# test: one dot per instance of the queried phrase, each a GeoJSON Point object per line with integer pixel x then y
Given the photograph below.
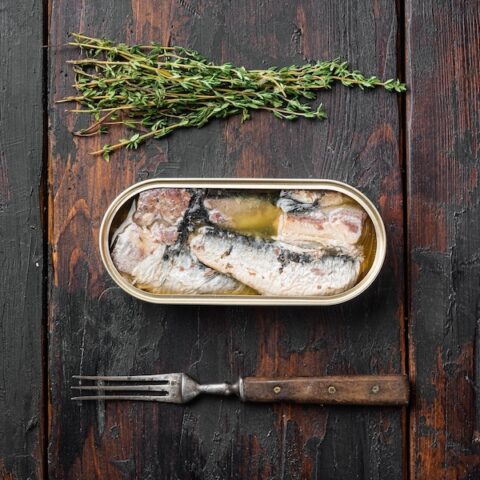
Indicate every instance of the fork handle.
{"type": "Point", "coordinates": [331, 390]}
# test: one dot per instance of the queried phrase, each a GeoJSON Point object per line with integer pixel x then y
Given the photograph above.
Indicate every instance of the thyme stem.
{"type": "Point", "coordinates": [154, 89]}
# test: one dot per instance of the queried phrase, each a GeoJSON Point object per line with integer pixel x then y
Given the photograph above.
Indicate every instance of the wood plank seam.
{"type": "Point", "coordinates": [45, 204]}
{"type": "Point", "coordinates": [401, 72]}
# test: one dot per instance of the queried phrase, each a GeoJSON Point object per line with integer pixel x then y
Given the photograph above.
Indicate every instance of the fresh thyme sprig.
{"type": "Point", "coordinates": [154, 89]}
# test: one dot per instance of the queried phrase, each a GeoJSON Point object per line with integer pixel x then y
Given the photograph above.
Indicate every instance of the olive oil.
{"type": "Point", "coordinates": [243, 290]}
{"type": "Point", "coordinates": [255, 215]}
{"type": "Point", "coordinates": [368, 243]}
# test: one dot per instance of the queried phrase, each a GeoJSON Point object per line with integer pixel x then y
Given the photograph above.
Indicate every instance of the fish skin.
{"type": "Point", "coordinates": [177, 271]}
{"type": "Point", "coordinates": [272, 268]}
{"type": "Point", "coordinates": [132, 245]}
{"type": "Point", "coordinates": [153, 263]}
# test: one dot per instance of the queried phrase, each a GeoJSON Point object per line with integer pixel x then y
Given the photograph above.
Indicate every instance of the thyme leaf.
{"type": "Point", "coordinates": [154, 89]}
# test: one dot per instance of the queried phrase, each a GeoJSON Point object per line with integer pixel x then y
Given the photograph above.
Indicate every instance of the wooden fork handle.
{"type": "Point", "coordinates": [332, 390]}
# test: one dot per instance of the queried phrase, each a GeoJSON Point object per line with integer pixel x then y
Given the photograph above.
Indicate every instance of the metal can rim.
{"type": "Point", "coordinates": [239, 183]}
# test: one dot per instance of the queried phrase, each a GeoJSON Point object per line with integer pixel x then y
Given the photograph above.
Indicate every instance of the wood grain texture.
{"type": "Point", "coordinates": [329, 390]}
{"type": "Point", "coordinates": [21, 240]}
{"type": "Point", "coordinates": [97, 329]}
{"type": "Point", "coordinates": [443, 119]}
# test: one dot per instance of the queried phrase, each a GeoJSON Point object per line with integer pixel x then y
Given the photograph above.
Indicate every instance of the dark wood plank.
{"type": "Point", "coordinates": [21, 240]}
{"type": "Point", "coordinates": [443, 112]}
{"type": "Point", "coordinates": [95, 328]}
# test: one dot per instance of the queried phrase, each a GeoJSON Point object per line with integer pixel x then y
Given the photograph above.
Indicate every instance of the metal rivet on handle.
{"type": "Point", "coordinates": [331, 389]}
{"type": "Point", "coordinates": [375, 389]}
{"type": "Point", "coordinates": [276, 389]}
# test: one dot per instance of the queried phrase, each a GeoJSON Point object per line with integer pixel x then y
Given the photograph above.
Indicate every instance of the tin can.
{"type": "Point", "coordinates": [125, 198]}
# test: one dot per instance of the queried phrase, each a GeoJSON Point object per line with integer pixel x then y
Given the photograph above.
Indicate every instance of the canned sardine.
{"type": "Point", "coordinates": [243, 241]}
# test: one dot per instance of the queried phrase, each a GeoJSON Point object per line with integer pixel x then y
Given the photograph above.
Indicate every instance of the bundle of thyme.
{"type": "Point", "coordinates": [154, 89]}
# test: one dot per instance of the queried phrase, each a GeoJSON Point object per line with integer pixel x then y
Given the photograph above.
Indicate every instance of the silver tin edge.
{"type": "Point", "coordinates": [235, 183]}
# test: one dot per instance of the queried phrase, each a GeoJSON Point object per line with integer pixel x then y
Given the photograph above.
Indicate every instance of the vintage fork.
{"type": "Point", "coordinates": [180, 388]}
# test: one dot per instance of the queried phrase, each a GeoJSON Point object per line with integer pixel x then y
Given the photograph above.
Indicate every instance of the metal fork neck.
{"type": "Point", "coordinates": [219, 389]}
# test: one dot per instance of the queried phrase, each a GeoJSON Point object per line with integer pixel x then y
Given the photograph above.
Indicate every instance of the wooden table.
{"type": "Point", "coordinates": [416, 156]}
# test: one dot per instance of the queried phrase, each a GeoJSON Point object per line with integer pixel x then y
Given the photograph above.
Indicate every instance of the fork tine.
{"type": "Point", "coordinates": [130, 378]}
{"type": "Point", "coordinates": [145, 398]}
{"type": "Point", "coordinates": [148, 388]}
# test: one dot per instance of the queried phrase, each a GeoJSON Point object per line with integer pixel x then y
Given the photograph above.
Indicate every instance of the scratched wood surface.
{"type": "Point", "coordinates": [443, 119]}
{"type": "Point", "coordinates": [21, 241]}
{"type": "Point", "coordinates": [95, 328]}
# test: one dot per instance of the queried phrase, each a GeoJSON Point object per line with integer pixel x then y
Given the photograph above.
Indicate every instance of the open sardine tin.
{"type": "Point", "coordinates": [243, 241]}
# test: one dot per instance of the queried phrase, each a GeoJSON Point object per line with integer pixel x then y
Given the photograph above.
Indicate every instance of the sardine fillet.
{"type": "Point", "coordinates": [156, 266]}
{"type": "Point", "coordinates": [162, 210]}
{"type": "Point", "coordinates": [132, 246]}
{"type": "Point", "coordinates": [180, 272]}
{"type": "Point", "coordinates": [272, 268]}
{"type": "Point", "coordinates": [165, 205]}
{"type": "Point", "coordinates": [336, 227]}
{"type": "Point", "coordinates": [302, 218]}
